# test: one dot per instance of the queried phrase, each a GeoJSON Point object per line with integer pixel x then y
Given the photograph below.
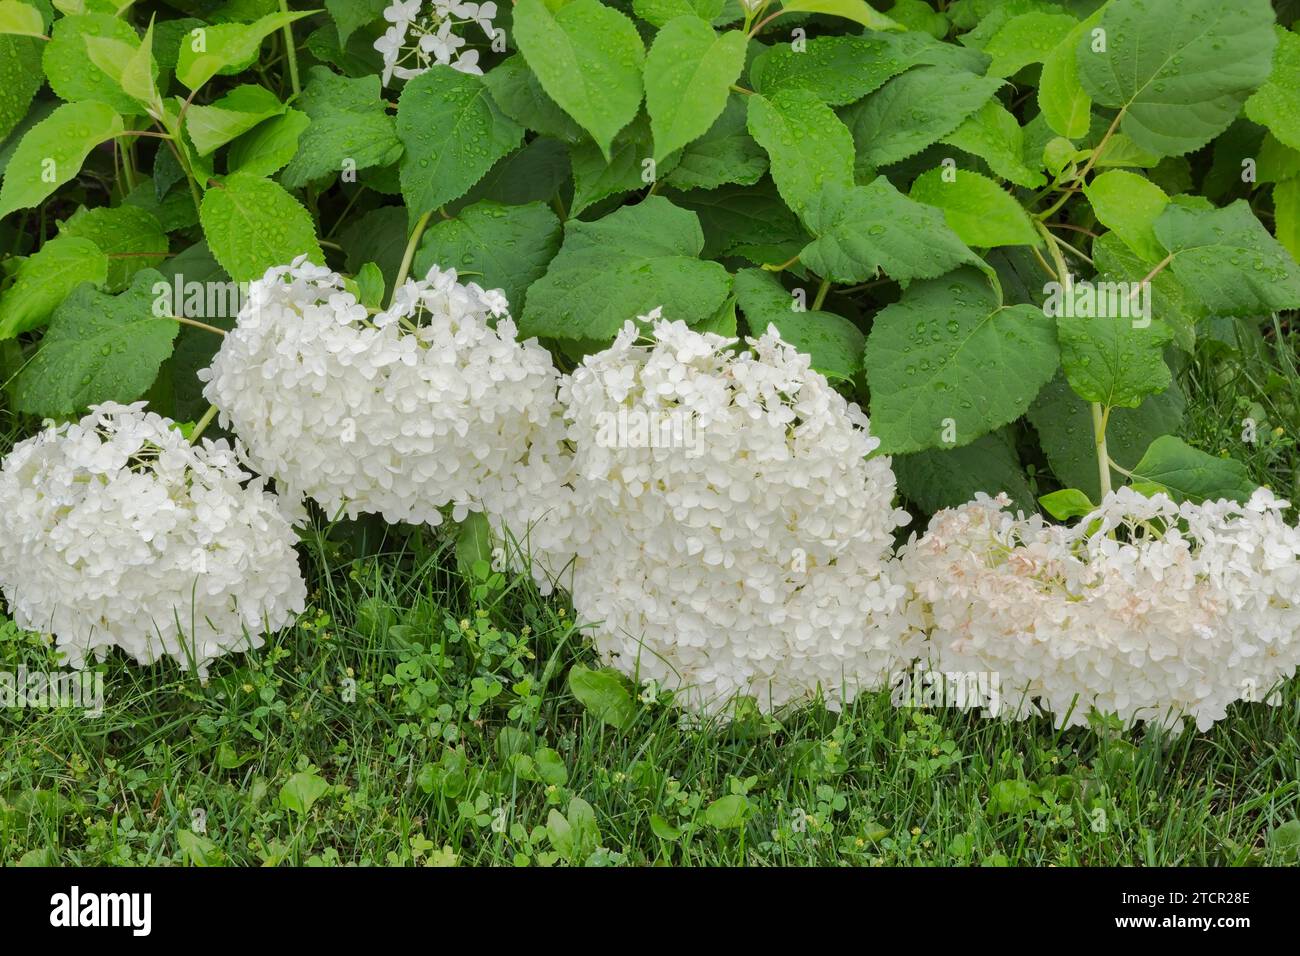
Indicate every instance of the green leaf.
{"type": "Point", "coordinates": [348, 124]}
{"type": "Point", "coordinates": [604, 694]}
{"type": "Point", "coordinates": [809, 148]}
{"type": "Point", "coordinates": [226, 48]}
{"type": "Point", "coordinates": [21, 19]}
{"type": "Point", "coordinates": [1228, 259]}
{"type": "Point", "coordinates": [722, 322]}
{"type": "Point", "coordinates": [1065, 106]}
{"type": "Point", "coordinates": [349, 15]}
{"type": "Point", "coordinates": [1066, 504]}
{"type": "Point", "coordinates": [98, 348]}
{"type": "Point", "coordinates": [20, 77]}
{"type": "Point", "coordinates": [53, 150]}
{"type": "Point", "coordinates": [1113, 360]}
{"type": "Point", "coordinates": [252, 224]}
{"type": "Point", "coordinates": [550, 767]}
{"type": "Point", "coordinates": [659, 12]}
{"type": "Point", "coordinates": [919, 15]}
{"type": "Point", "coordinates": [947, 358]}
{"type": "Point", "coordinates": [1176, 305]}
{"type": "Point", "coordinates": [855, 10]}
{"type": "Point", "coordinates": [863, 229]}
{"type": "Point", "coordinates": [725, 154]}
{"type": "Point", "coordinates": [473, 544]}
{"type": "Point", "coordinates": [843, 69]}
{"type": "Point", "coordinates": [947, 477]}
{"type": "Point", "coordinates": [736, 219]}
{"type": "Point", "coordinates": [1025, 39]}
{"type": "Point", "coordinates": [596, 178]}
{"type": "Point", "coordinates": [663, 829]}
{"type": "Point", "coordinates": [132, 238]}
{"type": "Point", "coordinates": [73, 74]}
{"type": "Point", "coordinates": [45, 278]}
{"type": "Point", "coordinates": [729, 812]}
{"type": "Point", "coordinates": [1286, 211]}
{"type": "Point", "coordinates": [1128, 205]}
{"type": "Point", "coordinates": [1192, 475]}
{"type": "Point", "coordinates": [499, 247]}
{"type": "Point", "coordinates": [992, 134]}
{"type": "Point", "coordinates": [914, 110]}
{"type": "Point", "coordinates": [837, 69]}
{"type": "Point", "coordinates": [833, 342]}
{"type": "Point", "coordinates": [453, 133]}
{"type": "Point", "coordinates": [976, 208]}
{"type": "Point", "coordinates": [197, 850]}
{"type": "Point", "coordinates": [1011, 798]}
{"type": "Point", "coordinates": [688, 74]}
{"type": "Point", "coordinates": [1179, 69]}
{"type": "Point", "coordinates": [234, 114]}
{"type": "Point", "coordinates": [610, 271]}
{"type": "Point", "coordinates": [537, 173]}
{"type": "Point", "coordinates": [1064, 424]}
{"type": "Point", "coordinates": [269, 146]}
{"type": "Point", "coordinates": [516, 89]}
{"type": "Point", "coordinates": [371, 286]}
{"type": "Point", "coordinates": [1276, 104]}
{"type": "Point", "coordinates": [129, 64]}
{"type": "Point", "coordinates": [588, 58]}
{"type": "Point", "coordinates": [301, 791]}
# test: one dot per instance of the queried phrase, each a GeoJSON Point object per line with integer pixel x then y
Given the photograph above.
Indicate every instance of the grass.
{"type": "Point", "coordinates": [419, 714]}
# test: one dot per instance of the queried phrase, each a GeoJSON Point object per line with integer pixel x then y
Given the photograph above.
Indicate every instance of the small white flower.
{"type": "Point", "coordinates": [402, 11]}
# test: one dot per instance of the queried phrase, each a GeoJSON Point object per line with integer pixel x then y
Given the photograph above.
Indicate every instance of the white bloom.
{"type": "Point", "coordinates": [741, 543]}
{"type": "Point", "coordinates": [423, 36]}
{"type": "Point", "coordinates": [116, 532]}
{"type": "Point", "coordinates": [429, 404]}
{"type": "Point", "coordinates": [1146, 609]}
{"type": "Point", "coordinates": [467, 62]}
{"type": "Point", "coordinates": [402, 11]}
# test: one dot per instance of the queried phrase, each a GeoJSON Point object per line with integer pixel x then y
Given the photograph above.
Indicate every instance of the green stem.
{"type": "Point", "coordinates": [824, 288]}
{"type": "Point", "coordinates": [1096, 153]}
{"type": "Point", "coordinates": [1099, 417]}
{"type": "Point", "coordinates": [409, 254]}
{"type": "Point", "coordinates": [128, 165]}
{"type": "Point", "coordinates": [290, 51]}
{"type": "Point", "coordinates": [203, 423]}
{"type": "Point", "coordinates": [195, 323]}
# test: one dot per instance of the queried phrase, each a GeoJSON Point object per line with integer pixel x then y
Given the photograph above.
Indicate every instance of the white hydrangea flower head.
{"type": "Point", "coordinates": [1146, 609]}
{"type": "Point", "coordinates": [727, 533]}
{"type": "Point", "coordinates": [429, 404]}
{"type": "Point", "coordinates": [116, 532]}
{"type": "Point", "coordinates": [424, 34]}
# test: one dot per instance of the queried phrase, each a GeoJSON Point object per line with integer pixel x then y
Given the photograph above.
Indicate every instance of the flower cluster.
{"type": "Point", "coordinates": [116, 532]}
{"type": "Point", "coordinates": [1145, 609]}
{"type": "Point", "coordinates": [725, 529]}
{"type": "Point", "coordinates": [420, 37]}
{"type": "Point", "coordinates": [428, 404]}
